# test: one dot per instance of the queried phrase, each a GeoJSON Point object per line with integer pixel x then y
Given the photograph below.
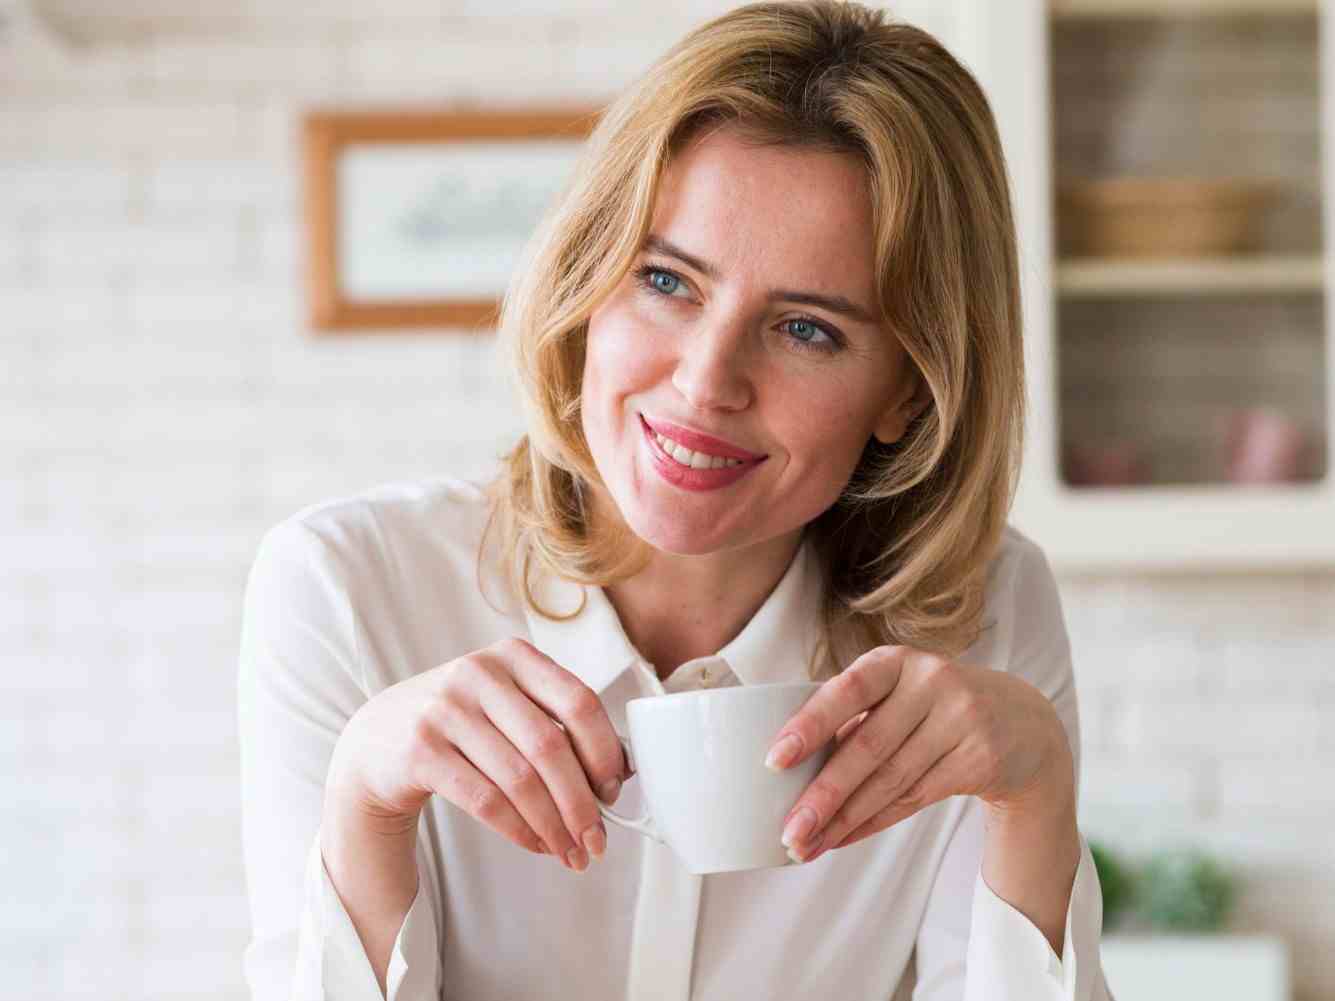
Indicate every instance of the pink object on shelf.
{"type": "Point", "coordinates": [1113, 464]}
{"type": "Point", "coordinates": [1262, 445]}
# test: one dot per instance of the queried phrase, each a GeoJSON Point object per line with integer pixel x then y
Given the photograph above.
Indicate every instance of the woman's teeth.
{"type": "Point", "coordinates": [696, 460]}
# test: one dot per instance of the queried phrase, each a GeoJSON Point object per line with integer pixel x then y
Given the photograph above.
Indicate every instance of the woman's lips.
{"type": "Point", "coordinates": [697, 441]}
{"type": "Point", "coordinates": [688, 478]}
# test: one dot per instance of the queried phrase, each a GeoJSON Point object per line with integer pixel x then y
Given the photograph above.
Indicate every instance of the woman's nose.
{"type": "Point", "coordinates": [711, 370]}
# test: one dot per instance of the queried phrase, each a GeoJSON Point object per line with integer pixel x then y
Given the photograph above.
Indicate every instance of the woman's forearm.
{"type": "Point", "coordinates": [374, 869]}
{"type": "Point", "coordinates": [1030, 855]}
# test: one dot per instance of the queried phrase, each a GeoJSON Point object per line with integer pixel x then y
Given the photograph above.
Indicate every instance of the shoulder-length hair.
{"type": "Point", "coordinates": [904, 549]}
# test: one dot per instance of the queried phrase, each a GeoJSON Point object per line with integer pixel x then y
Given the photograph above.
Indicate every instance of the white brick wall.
{"type": "Point", "coordinates": [103, 124]}
{"type": "Point", "coordinates": [161, 404]}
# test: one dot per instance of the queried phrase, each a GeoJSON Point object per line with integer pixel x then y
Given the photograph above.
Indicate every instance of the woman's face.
{"type": "Point", "coordinates": [724, 345]}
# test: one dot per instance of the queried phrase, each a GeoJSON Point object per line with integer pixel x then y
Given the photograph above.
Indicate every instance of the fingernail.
{"type": "Point", "coordinates": [609, 791]}
{"type": "Point", "coordinates": [782, 754]}
{"type": "Point", "coordinates": [800, 827]}
{"type": "Point", "coordinates": [577, 859]}
{"type": "Point", "coordinates": [595, 839]}
{"type": "Point", "coordinates": [811, 851]}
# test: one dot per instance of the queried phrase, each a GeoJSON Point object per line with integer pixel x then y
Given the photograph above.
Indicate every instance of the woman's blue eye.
{"type": "Point", "coordinates": [813, 328]}
{"type": "Point", "coordinates": [662, 282]}
{"type": "Point", "coordinates": [649, 277]}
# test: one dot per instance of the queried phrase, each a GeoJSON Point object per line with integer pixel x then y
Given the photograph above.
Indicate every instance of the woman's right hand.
{"type": "Point", "coordinates": [482, 731]}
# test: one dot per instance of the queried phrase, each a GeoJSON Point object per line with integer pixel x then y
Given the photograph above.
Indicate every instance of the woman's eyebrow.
{"type": "Point", "coordinates": [834, 303]}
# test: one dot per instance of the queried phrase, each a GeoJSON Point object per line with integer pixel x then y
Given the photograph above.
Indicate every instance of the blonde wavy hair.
{"type": "Point", "coordinates": [904, 550]}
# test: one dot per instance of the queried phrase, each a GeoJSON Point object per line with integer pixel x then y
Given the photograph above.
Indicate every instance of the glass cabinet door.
{"type": "Point", "coordinates": [1187, 207]}
{"type": "Point", "coordinates": [1171, 180]}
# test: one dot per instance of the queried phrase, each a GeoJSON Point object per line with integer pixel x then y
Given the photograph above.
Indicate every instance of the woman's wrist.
{"type": "Point", "coordinates": [357, 838]}
{"type": "Point", "coordinates": [373, 868]}
{"type": "Point", "coordinates": [349, 799]}
{"type": "Point", "coordinates": [1031, 849]}
{"type": "Point", "coordinates": [347, 826]}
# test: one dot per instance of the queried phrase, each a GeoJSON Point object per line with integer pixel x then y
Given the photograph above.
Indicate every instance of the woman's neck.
{"type": "Point", "coordinates": [682, 607]}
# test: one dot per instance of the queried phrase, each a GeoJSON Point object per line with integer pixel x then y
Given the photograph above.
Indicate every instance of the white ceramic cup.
{"type": "Point", "coordinates": [700, 757]}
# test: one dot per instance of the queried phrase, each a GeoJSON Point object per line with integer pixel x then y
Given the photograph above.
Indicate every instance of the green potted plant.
{"type": "Point", "coordinates": [1185, 890]}
{"type": "Point", "coordinates": [1164, 923]}
{"type": "Point", "coordinates": [1116, 880]}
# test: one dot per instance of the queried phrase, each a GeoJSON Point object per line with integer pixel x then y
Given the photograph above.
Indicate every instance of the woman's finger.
{"type": "Point", "coordinates": [491, 751]}
{"type": "Point", "coordinates": [870, 748]}
{"type": "Point", "coordinates": [934, 785]}
{"type": "Point", "coordinates": [842, 733]}
{"type": "Point", "coordinates": [452, 776]}
{"type": "Point", "coordinates": [546, 745]}
{"type": "Point", "coordinates": [932, 740]}
{"type": "Point", "coordinates": [566, 699]}
{"type": "Point", "coordinates": [858, 687]}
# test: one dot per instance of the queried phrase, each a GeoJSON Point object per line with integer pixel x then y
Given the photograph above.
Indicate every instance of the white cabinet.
{"type": "Point", "coordinates": [1159, 356]}
{"type": "Point", "coordinates": [1220, 967]}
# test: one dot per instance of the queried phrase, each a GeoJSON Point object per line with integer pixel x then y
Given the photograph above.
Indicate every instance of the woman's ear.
{"type": "Point", "coordinates": [913, 398]}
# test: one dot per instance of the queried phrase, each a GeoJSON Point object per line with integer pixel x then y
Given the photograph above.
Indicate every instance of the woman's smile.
{"type": "Point", "coordinates": [696, 471]}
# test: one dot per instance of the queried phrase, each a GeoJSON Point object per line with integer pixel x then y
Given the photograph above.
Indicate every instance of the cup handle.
{"type": "Point", "coordinates": [643, 825]}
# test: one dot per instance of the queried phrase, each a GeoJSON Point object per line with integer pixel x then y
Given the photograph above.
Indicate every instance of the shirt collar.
{"type": "Point", "coordinates": [778, 643]}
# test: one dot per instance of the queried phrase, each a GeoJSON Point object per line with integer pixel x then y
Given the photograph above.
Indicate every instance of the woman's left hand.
{"type": "Point", "coordinates": [912, 729]}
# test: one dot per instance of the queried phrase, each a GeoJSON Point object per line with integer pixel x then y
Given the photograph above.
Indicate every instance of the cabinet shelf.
{"type": "Point", "coordinates": [1097, 277]}
{"type": "Point", "coordinates": [1178, 8]}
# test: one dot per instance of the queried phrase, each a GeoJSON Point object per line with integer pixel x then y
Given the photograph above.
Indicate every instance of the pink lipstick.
{"type": "Point", "coordinates": [697, 479]}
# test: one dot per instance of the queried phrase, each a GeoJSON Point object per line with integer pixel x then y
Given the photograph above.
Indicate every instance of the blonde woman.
{"type": "Point", "coordinates": [769, 348]}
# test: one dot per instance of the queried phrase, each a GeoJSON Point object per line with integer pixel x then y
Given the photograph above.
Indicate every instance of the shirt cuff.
{"type": "Point", "coordinates": [344, 971]}
{"type": "Point", "coordinates": [1010, 958]}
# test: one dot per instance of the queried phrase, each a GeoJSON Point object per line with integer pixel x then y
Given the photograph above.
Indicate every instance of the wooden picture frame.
{"type": "Point", "coordinates": [382, 185]}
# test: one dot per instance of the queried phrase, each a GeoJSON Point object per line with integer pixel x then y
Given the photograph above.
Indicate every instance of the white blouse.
{"type": "Point", "coordinates": [354, 594]}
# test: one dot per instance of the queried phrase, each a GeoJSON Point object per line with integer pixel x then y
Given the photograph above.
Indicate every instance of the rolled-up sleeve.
{"type": "Point", "coordinates": [331, 963]}
{"type": "Point", "coordinates": [973, 945]}
{"type": "Point", "coordinates": [1010, 958]}
{"type": "Point", "coordinates": [299, 682]}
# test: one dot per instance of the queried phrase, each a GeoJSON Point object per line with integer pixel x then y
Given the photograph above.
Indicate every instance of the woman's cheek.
{"type": "Point", "coordinates": [829, 439]}
{"type": "Point", "coordinates": [628, 350]}
{"type": "Point", "coordinates": [608, 336]}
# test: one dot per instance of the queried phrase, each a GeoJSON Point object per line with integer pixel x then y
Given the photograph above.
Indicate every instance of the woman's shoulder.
{"type": "Point", "coordinates": [1018, 563]}
{"type": "Point", "coordinates": [392, 529]}
{"type": "Point", "coordinates": [1022, 615]}
{"type": "Point", "coordinates": [427, 504]}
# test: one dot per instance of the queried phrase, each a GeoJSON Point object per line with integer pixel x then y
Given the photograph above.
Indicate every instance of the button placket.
{"type": "Point", "coordinates": [649, 680]}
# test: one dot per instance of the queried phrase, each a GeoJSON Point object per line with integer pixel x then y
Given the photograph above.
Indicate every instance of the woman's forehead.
{"type": "Point", "coordinates": [791, 213]}
{"type": "Point", "coordinates": [723, 166]}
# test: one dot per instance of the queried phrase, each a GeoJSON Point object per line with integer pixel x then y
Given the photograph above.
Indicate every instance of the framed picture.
{"type": "Point", "coordinates": [415, 219]}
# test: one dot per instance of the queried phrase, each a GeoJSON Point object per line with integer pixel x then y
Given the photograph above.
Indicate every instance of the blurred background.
{"type": "Point", "coordinates": [164, 400]}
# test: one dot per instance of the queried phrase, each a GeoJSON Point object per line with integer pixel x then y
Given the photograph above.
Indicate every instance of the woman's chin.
{"type": "Point", "coordinates": [670, 532]}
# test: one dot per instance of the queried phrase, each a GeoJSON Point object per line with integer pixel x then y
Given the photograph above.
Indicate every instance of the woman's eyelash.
{"type": "Point", "coordinates": [644, 278]}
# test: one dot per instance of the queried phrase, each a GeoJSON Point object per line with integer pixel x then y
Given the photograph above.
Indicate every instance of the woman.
{"type": "Point", "coordinates": [770, 353]}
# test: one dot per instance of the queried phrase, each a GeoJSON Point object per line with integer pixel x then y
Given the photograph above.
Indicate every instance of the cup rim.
{"type": "Point", "coordinates": [723, 691]}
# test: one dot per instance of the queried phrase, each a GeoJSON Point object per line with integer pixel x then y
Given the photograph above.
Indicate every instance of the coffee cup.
{"type": "Point", "coordinates": [700, 757]}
